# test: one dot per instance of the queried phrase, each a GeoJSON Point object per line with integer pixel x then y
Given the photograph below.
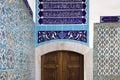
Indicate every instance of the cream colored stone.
{"type": "Point", "coordinates": [68, 46]}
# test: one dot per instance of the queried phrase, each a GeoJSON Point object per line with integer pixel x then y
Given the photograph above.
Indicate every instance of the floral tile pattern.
{"type": "Point", "coordinates": [16, 41]}
{"type": "Point", "coordinates": [107, 51]}
{"type": "Point", "coordinates": [62, 20]}
{"type": "Point", "coordinates": [80, 35]}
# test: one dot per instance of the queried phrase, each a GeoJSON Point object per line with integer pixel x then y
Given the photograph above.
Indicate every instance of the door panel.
{"type": "Point", "coordinates": [63, 65]}
{"type": "Point", "coordinates": [73, 65]}
{"type": "Point", "coordinates": [51, 58]}
{"type": "Point", "coordinates": [50, 67]}
{"type": "Point", "coordinates": [50, 74]}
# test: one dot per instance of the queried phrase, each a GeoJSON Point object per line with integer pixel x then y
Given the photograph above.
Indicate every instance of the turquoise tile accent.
{"type": "Point", "coordinates": [64, 18]}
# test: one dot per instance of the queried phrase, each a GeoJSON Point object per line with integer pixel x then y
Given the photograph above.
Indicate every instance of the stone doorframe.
{"type": "Point", "coordinates": [68, 46]}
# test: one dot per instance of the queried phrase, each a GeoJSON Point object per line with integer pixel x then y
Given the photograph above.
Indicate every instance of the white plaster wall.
{"type": "Point", "coordinates": [102, 8]}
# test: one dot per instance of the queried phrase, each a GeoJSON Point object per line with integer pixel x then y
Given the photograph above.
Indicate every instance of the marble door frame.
{"type": "Point", "coordinates": [68, 46]}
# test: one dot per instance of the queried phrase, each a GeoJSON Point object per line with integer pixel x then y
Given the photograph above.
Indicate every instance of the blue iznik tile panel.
{"type": "Point", "coordinates": [62, 12]}
{"type": "Point", "coordinates": [107, 51]}
{"type": "Point", "coordinates": [108, 19]}
{"type": "Point", "coordinates": [54, 35]}
{"type": "Point", "coordinates": [62, 20]}
{"type": "Point", "coordinates": [16, 41]}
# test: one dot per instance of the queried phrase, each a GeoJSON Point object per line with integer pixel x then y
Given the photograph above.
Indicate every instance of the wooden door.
{"type": "Point", "coordinates": [62, 65]}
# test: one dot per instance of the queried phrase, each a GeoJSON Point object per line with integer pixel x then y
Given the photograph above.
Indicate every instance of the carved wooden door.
{"type": "Point", "coordinates": [62, 65]}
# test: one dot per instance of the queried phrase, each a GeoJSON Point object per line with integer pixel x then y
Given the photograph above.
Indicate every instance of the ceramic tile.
{"type": "Point", "coordinates": [107, 51]}
{"type": "Point", "coordinates": [3, 75]}
{"type": "Point", "coordinates": [54, 35]}
{"type": "Point", "coordinates": [108, 19]}
{"type": "Point", "coordinates": [16, 41]}
{"type": "Point", "coordinates": [64, 12]}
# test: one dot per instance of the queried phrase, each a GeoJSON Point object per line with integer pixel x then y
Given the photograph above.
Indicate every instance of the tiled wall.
{"type": "Point", "coordinates": [16, 41]}
{"type": "Point", "coordinates": [62, 12]}
{"type": "Point", "coordinates": [107, 51]}
{"type": "Point", "coordinates": [79, 35]}
{"type": "Point", "coordinates": [62, 20]}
